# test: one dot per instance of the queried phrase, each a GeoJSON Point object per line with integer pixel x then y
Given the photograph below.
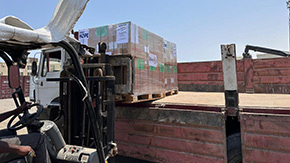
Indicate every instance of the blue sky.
{"type": "Point", "coordinates": [197, 27]}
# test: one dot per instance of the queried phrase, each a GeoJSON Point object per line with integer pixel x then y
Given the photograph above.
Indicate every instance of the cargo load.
{"type": "Point", "coordinates": [144, 64]}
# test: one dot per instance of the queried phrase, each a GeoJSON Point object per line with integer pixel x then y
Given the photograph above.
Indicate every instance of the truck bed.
{"type": "Point", "coordinates": [214, 99]}
{"type": "Point", "coordinates": [191, 126]}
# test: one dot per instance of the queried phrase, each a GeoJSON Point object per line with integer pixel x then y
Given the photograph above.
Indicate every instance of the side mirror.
{"type": "Point", "coordinates": [33, 68]}
{"type": "Point", "coordinates": [13, 77]}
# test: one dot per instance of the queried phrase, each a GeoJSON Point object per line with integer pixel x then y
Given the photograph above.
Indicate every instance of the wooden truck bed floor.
{"type": "Point", "coordinates": [214, 99]}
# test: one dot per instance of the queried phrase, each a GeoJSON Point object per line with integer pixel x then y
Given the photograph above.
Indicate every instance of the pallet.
{"type": "Point", "coordinates": [142, 98]}
{"type": "Point", "coordinates": [129, 99]}
{"type": "Point", "coordinates": [171, 92]}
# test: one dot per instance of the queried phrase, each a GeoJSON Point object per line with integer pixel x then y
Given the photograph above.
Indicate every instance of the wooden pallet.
{"type": "Point", "coordinates": [142, 98]}
{"type": "Point", "coordinates": [147, 97]}
{"type": "Point", "coordinates": [171, 92]}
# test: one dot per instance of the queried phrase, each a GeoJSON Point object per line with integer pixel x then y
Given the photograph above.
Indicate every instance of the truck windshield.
{"type": "Point", "coordinates": [51, 63]}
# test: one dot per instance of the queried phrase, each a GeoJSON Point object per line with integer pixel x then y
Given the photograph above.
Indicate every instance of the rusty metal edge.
{"type": "Point", "coordinates": [282, 111]}
{"type": "Point", "coordinates": [170, 106]}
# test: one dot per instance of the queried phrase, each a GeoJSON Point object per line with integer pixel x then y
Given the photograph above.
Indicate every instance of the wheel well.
{"type": "Point", "coordinates": [54, 113]}
{"type": "Point", "coordinates": [54, 109]}
{"type": "Point", "coordinates": [55, 100]}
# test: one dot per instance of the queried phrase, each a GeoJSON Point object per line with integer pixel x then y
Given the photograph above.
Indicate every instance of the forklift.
{"type": "Point", "coordinates": [89, 128]}
{"type": "Point", "coordinates": [87, 101]}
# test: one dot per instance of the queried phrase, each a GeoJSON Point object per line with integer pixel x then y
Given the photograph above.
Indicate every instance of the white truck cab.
{"type": "Point", "coordinates": [50, 66]}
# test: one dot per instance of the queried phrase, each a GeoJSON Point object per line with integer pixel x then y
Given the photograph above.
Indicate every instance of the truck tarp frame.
{"type": "Point", "coordinates": [65, 15]}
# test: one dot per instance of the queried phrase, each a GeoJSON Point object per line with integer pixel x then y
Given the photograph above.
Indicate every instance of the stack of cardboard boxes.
{"type": "Point", "coordinates": [143, 62]}
{"type": "Point", "coordinates": [170, 62]}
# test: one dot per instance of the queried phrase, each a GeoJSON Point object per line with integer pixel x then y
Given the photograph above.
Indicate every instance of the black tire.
{"type": "Point", "coordinates": [234, 150]}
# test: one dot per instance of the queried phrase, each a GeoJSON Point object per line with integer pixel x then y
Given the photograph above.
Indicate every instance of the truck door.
{"type": "Point", "coordinates": [50, 67]}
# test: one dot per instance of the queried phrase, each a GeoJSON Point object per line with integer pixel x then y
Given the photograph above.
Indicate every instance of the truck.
{"type": "Point", "coordinates": [200, 126]}
{"type": "Point", "coordinates": [50, 66]}
{"type": "Point", "coordinates": [208, 127]}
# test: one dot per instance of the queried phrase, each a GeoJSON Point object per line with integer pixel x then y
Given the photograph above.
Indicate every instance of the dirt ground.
{"type": "Point", "coordinates": [7, 105]}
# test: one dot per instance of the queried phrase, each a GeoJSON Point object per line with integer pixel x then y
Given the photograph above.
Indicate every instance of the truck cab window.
{"type": "Point", "coordinates": [51, 62]}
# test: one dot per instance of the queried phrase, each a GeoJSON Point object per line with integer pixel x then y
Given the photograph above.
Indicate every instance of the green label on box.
{"type": "Point", "coordinates": [102, 31]}
{"type": "Point", "coordinates": [140, 64]}
{"type": "Point", "coordinates": [145, 34]}
{"type": "Point", "coordinates": [152, 68]}
{"type": "Point", "coordinates": [161, 67]}
{"type": "Point", "coordinates": [175, 69]}
{"type": "Point", "coordinates": [168, 69]}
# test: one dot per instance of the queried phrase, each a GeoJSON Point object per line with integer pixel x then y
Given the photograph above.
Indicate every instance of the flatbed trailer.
{"type": "Point", "coordinates": [209, 127]}
{"type": "Point", "coordinates": [194, 127]}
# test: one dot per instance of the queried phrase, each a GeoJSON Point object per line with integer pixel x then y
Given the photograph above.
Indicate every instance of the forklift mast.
{"type": "Point", "coordinates": [78, 128]}
{"type": "Point", "coordinates": [87, 102]}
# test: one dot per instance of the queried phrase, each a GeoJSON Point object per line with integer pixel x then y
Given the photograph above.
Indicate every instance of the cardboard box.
{"type": "Point", "coordinates": [143, 62]}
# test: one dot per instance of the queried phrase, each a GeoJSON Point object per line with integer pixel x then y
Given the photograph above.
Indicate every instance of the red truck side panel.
{"type": "Point", "coordinates": [170, 135]}
{"type": "Point", "coordinates": [206, 76]}
{"type": "Point", "coordinates": [265, 137]}
{"type": "Point", "coordinates": [254, 76]}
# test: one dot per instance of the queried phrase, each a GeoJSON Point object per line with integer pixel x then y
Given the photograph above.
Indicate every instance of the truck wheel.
{"type": "Point", "coordinates": [234, 148]}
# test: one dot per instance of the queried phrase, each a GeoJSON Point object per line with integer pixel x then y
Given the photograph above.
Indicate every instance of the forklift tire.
{"type": "Point", "coordinates": [234, 151]}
